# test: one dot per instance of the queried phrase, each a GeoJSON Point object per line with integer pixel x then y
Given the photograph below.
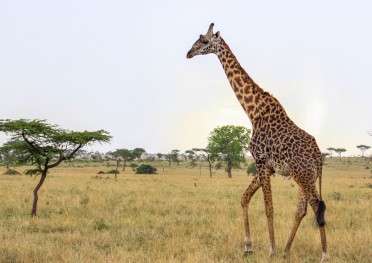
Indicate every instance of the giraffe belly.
{"type": "Point", "coordinates": [280, 167]}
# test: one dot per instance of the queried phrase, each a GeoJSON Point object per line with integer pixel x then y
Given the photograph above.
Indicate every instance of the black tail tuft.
{"type": "Point", "coordinates": [320, 213]}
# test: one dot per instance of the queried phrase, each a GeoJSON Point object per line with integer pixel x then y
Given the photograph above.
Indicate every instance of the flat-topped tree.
{"type": "Point", "coordinates": [45, 146]}
{"type": "Point", "coordinates": [363, 148]}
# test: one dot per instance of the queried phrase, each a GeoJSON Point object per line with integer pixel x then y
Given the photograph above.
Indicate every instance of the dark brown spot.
{"type": "Point", "coordinates": [250, 108]}
{"type": "Point", "coordinates": [257, 99]}
{"type": "Point", "coordinates": [238, 81]}
{"type": "Point", "coordinates": [246, 89]}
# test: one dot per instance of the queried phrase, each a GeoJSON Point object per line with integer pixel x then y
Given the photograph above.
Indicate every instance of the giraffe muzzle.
{"type": "Point", "coordinates": [189, 54]}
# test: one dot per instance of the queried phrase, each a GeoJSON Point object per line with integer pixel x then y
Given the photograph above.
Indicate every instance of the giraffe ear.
{"type": "Point", "coordinates": [217, 35]}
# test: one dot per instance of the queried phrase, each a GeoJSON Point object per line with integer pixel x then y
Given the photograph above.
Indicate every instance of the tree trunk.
{"type": "Point", "coordinates": [210, 169]}
{"type": "Point", "coordinates": [36, 197]}
{"type": "Point", "coordinates": [116, 171]}
{"type": "Point", "coordinates": [124, 164]}
{"type": "Point", "coordinates": [229, 168]}
{"type": "Point", "coordinates": [210, 166]}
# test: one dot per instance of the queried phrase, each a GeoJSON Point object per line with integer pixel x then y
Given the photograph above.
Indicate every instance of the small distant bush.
{"type": "Point", "coordinates": [133, 165]}
{"type": "Point", "coordinates": [251, 169]}
{"type": "Point", "coordinates": [218, 165]}
{"type": "Point", "coordinates": [11, 172]}
{"type": "Point", "coordinates": [84, 199]}
{"type": "Point", "coordinates": [113, 172]}
{"type": "Point", "coordinates": [146, 169]}
{"type": "Point", "coordinates": [100, 225]}
{"type": "Point", "coordinates": [336, 196]}
{"type": "Point", "coordinates": [193, 163]}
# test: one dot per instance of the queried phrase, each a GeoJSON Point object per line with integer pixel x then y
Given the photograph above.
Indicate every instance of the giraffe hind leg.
{"type": "Point", "coordinates": [318, 207]}
{"type": "Point", "coordinates": [251, 190]}
{"type": "Point", "coordinates": [300, 213]}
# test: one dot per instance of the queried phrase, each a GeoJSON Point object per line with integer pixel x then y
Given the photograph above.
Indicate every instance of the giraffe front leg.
{"type": "Point", "coordinates": [252, 188]}
{"type": "Point", "coordinates": [269, 209]}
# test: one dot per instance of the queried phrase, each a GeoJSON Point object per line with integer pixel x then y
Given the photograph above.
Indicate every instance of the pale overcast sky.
{"type": "Point", "coordinates": [121, 66]}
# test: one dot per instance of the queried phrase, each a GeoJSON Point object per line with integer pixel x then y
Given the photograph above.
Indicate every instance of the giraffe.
{"type": "Point", "coordinates": [278, 145]}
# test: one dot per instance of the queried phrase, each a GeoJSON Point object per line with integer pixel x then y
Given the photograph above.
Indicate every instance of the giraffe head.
{"type": "Point", "coordinates": [206, 44]}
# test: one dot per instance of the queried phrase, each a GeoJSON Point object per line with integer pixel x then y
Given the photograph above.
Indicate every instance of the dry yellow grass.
{"type": "Point", "coordinates": [177, 216]}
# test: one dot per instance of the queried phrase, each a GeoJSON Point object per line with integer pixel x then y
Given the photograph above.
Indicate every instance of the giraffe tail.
{"type": "Point", "coordinates": [321, 206]}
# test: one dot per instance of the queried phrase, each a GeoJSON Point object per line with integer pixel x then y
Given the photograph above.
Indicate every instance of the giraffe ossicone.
{"type": "Point", "coordinates": [278, 145]}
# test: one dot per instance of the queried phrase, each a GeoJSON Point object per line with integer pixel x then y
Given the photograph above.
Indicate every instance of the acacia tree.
{"type": "Point", "coordinates": [189, 154]}
{"type": "Point", "coordinates": [339, 151]}
{"type": "Point", "coordinates": [330, 149]}
{"type": "Point", "coordinates": [174, 156]}
{"type": "Point", "coordinates": [209, 156]}
{"type": "Point", "coordinates": [137, 152]}
{"type": "Point", "coordinates": [8, 155]}
{"type": "Point", "coordinates": [230, 142]}
{"type": "Point", "coordinates": [45, 146]}
{"type": "Point", "coordinates": [363, 148]}
{"type": "Point", "coordinates": [159, 155]}
{"type": "Point", "coordinates": [124, 155]}
{"type": "Point", "coordinates": [168, 158]}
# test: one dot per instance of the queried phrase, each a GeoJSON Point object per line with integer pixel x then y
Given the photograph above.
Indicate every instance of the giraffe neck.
{"type": "Point", "coordinates": [254, 100]}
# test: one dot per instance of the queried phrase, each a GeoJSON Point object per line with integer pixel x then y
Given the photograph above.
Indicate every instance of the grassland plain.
{"type": "Point", "coordinates": [177, 216]}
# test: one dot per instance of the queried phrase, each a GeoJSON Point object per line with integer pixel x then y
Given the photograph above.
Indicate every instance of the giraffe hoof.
{"type": "Point", "coordinates": [324, 257]}
{"type": "Point", "coordinates": [248, 250]}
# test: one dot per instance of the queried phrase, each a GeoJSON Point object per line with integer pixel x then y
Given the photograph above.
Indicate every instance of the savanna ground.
{"type": "Point", "coordinates": [177, 216]}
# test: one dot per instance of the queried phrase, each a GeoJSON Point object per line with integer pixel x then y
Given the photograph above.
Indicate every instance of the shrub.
{"type": "Point", "coordinates": [146, 169]}
{"type": "Point", "coordinates": [11, 172]}
{"type": "Point", "coordinates": [251, 169]}
{"type": "Point", "coordinates": [100, 225]}
{"type": "Point", "coordinates": [218, 165]}
{"type": "Point", "coordinates": [193, 163]}
{"type": "Point", "coordinates": [113, 172]}
{"type": "Point", "coordinates": [336, 196]}
{"type": "Point", "coordinates": [133, 165]}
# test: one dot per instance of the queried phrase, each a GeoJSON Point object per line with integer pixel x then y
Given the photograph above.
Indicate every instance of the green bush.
{"type": "Point", "coordinates": [193, 163]}
{"type": "Point", "coordinates": [112, 172]}
{"type": "Point", "coordinates": [251, 169]}
{"type": "Point", "coordinates": [100, 225]}
{"type": "Point", "coordinates": [218, 165]}
{"type": "Point", "coordinates": [146, 169]}
{"type": "Point", "coordinates": [133, 165]}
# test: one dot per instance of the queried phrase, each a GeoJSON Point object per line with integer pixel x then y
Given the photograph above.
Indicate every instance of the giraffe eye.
{"type": "Point", "coordinates": [205, 42]}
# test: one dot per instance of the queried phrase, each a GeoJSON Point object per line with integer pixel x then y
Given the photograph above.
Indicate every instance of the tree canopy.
{"type": "Point", "coordinates": [339, 151]}
{"type": "Point", "coordinates": [137, 152]}
{"type": "Point", "coordinates": [363, 148]}
{"type": "Point", "coordinates": [45, 145]}
{"type": "Point", "coordinates": [123, 155]}
{"type": "Point", "coordinates": [230, 143]}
